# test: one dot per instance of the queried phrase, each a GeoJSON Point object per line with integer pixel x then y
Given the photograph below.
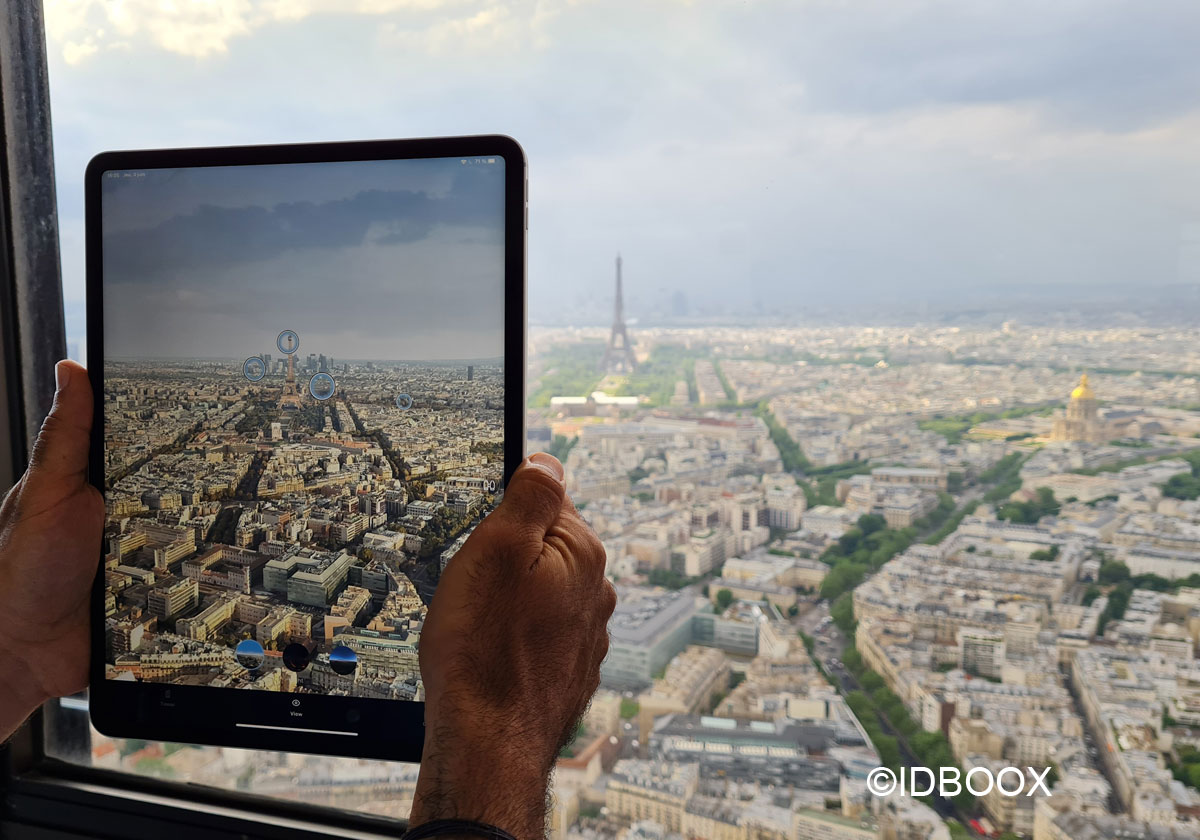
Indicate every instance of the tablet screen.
{"type": "Point", "coordinates": [303, 414]}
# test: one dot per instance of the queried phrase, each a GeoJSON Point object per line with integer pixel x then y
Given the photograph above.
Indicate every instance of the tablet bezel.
{"type": "Point", "coordinates": [349, 726]}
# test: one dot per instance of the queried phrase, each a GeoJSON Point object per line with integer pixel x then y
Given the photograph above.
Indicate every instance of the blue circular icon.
{"type": "Point", "coordinates": [322, 386]}
{"type": "Point", "coordinates": [249, 654]}
{"type": "Point", "coordinates": [343, 660]}
{"type": "Point", "coordinates": [404, 402]}
{"type": "Point", "coordinates": [288, 342]}
{"type": "Point", "coordinates": [254, 368]}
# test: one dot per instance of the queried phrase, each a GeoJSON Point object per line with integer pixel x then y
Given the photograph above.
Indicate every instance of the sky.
{"type": "Point", "coordinates": [740, 156]}
{"type": "Point", "coordinates": [367, 260]}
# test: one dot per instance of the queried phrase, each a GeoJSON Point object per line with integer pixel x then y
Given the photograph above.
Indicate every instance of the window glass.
{"type": "Point", "coordinates": [886, 412]}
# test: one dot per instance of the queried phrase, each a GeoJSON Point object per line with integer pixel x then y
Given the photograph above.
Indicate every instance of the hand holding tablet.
{"type": "Point", "coordinates": [49, 535]}
{"type": "Point", "coordinates": [511, 655]}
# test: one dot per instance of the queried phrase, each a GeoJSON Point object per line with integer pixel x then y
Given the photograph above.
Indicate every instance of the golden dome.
{"type": "Point", "coordinates": [1083, 391]}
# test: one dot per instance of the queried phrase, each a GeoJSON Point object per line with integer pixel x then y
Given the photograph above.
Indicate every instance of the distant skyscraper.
{"type": "Point", "coordinates": [470, 372]}
{"type": "Point", "coordinates": [618, 356]}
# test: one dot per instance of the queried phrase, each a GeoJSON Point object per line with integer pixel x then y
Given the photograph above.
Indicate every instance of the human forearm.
{"type": "Point", "coordinates": [488, 781]}
{"type": "Point", "coordinates": [19, 697]}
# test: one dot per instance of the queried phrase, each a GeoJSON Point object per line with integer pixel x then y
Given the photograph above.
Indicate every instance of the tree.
{"type": "Point", "coordinates": [668, 579]}
{"type": "Point", "coordinates": [848, 541]}
{"type": "Point", "coordinates": [888, 749]}
{"type": "Point", "coordinates": [1113, 571]}
{"type": "Point", "coordinates": [1182, 486]}
{"type": "Point", "coordinates": [842, 611]}
{"type": "Point", "coordinates": [871, 681]}
{"type": "Point", "coordinates": [1028, 513]}
{"type": "Point", "coordinates": [954, 482]}
{"type": "Point", "coordinates": [869, 523]}
{"type": "Point", "coordinates": [724, 598]}
{"type": "Point", "coordinates": [629, 708]}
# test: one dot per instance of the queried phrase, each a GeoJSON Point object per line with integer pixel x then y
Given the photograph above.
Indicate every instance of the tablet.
{"type": "Point", "coordinates": [308, 363]}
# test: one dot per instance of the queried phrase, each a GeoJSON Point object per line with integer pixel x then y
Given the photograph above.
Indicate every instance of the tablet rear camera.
{"type": "Point", "coordinates": [296, 657]}
{"type": "Point", "coordinates": [249, 654]}
{"type": "Point", "coordinates": [322, 386]}
{"type": "Point", "coordinates": [343, 660]}
{"type": "Point", "coordinates": [254, 368]}
{"type": "Point", "coordinates": [404, 402]}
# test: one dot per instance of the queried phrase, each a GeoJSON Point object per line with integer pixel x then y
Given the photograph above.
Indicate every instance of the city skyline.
{"type": "Point", "coordinates": [853, 546]}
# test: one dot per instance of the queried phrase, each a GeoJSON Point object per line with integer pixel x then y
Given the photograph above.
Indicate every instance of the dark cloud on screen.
{"type": "Point", "coordinates": [220, 236]}
{"type": "Point", "coordinates": [375, 274]}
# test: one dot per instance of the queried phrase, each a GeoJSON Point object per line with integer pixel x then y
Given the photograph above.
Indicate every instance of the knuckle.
{"type": "Point", "coordinates": [509, 533]}
{"type": "Point", "coordinates": [539, 483]}
{"type": "Point", "coordinates": [51, 427]}
{"type": "Point", "coordinates": [608, 597]}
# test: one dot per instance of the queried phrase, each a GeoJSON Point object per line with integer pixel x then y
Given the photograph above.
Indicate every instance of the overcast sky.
{"type": "Point", "coordinates": [769, 152]}
{"type": "Point", "coordinates": [371, 260]}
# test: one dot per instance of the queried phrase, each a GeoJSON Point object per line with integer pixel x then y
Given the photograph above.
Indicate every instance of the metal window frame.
{"type": "Point", "coordinates": [40, 796]}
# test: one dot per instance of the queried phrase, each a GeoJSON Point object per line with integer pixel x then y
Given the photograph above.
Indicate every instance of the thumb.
{"type": "Point", "coordinates": [60, 453]}
{"type": "Point", "coordinates": [534, 497]}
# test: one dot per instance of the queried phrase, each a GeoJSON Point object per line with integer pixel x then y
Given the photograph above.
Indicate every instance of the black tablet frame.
{"type": "Point", "coordinates": [383, 729]}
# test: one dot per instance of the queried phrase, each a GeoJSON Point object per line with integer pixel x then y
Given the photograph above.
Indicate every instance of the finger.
{"type": "Point", "coordinates": [533, 499]}
{"type": "Point", "coordinates": [61, 450]}
{"type": "Point", "coordinates": [579, 544]}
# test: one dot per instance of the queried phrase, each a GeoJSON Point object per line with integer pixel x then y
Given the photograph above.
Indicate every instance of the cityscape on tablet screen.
{"type": "Point", "coordinates": [303, 415]}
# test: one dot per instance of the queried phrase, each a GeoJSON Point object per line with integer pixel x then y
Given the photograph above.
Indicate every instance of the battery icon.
{"type": "Point", "coordinates": [491, 160]}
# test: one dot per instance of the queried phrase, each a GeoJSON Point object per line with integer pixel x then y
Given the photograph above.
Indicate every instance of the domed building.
{"type": "Point", "coordinates": [1082, 422]}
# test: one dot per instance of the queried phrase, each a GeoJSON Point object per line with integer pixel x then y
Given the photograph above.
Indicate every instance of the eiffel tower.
{"type": "Point", "coordinates": [618, 356]}
{"type": "Point", "coordinates": [290, 398]}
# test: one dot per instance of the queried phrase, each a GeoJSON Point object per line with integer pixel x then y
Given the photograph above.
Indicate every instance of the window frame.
{"type": "Point", "coordinates": [42, 796]}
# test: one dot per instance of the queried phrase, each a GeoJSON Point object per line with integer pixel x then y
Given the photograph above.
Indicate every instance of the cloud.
{"type": "Point", "coordinates": [1118, 64]}
{"type": "Point", "coordinates": [203, 28]}
{"type": "Point", "coordinates": [779, 151]}
{"type": "Point", "coordinates": [212, 235]}
{"type": "Point", "coordinates": [379, 273]}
